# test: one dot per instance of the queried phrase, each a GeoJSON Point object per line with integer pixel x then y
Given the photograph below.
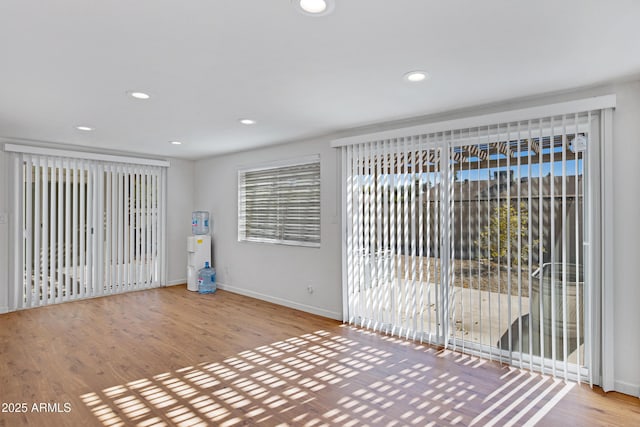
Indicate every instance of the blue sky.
{"type": "Point", "coordinates": [524, 171]}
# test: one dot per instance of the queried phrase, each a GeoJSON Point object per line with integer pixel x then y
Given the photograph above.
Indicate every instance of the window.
{"type": "Point", "coordinates": [280, 203]}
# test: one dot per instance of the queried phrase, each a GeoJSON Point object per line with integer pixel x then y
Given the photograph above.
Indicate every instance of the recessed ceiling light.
{"type": "Point", "coordinates": [416, 76]}
{"type": "Point", "coordinates": [176, 142]}
{"type": "Point", "coordinates": [247, 122]}
{"type": "Point", "coordinates": [138, 95]}
{"type": "Point", "coordinates": [84, 128]}
{"type": "Point", "coordinates": [314, 7]}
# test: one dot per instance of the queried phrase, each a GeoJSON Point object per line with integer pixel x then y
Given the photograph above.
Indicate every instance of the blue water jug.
{"type": "Point", "coordinates": [200, 222]}
{"type": "Point", "coordinates": [206, 280]}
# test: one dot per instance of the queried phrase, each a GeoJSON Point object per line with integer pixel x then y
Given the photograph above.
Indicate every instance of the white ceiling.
{"type": "Point", "coordinates": [208, 63]}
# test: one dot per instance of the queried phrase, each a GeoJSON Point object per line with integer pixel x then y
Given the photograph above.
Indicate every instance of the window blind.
{"type": "Point", "coordinates": [85, 228]}
{"type": "Point", "coordinates": [280, 204]}
{"type": "Point", "coordinates": [481, 239]}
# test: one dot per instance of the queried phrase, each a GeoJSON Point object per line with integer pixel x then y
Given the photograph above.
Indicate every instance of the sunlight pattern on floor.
{"type": "Point", "coordinates": [320, 379]}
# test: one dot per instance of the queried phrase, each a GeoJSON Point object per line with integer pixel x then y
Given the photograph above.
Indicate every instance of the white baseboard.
{"type": "Point", "coordinates": [627, 388]}
{"type": "Point", "coordinates": [176, 282]}
{"type": "Point", "coordinates": [281, 301]}
{"type": "Point", "coordinates": [4, 309]}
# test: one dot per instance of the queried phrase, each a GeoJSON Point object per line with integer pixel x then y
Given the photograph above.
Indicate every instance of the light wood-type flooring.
{"type": "Point", "coordinates": [172, 357]}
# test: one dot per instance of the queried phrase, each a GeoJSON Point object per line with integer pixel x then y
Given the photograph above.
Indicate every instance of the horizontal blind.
{"type": "Point", "coordinates": [85, 228]}
{"type": "Point", "coordinates": [280, 204]}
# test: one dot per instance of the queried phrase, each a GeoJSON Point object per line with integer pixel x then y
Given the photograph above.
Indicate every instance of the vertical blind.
{"type": "Point", "coordinates": [280, 204]}
{"type": "Point", "coordinates": [476, 239]}
{"type": "Point", "coordinates": [85, 228]}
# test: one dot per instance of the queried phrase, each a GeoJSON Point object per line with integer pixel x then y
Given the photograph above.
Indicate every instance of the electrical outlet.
{"type": "Point", "coordinates": [4, 217]}
{"type": "Point", "coordinates": [310, 288]}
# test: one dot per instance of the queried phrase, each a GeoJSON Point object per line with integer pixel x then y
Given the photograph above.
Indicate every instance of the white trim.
{"type": "Point", "coordinates": [15, 276]}
{"type": "Point", "coordinates": [29, 149]}
{"type": "Point", "coordinates": [239, 206]}
{"type": "Point", "coordinates": [627, 388]}
{"type": "Point", "coordinates": [176, 282]}
{"type": "Point", "coordinates": [593, 250]}
{"type": "Point", "coordinates": [164, 233]}
{"type": "Point", "coordinates": [581, 105]}
{"type": "Point", "coordinates": [607, 251]}
{"type": "Point", "coordinates": [343, 234]}
{"type": "Point", "coordinates": [281, 301]}
{"type": "Point", "coordinates": [4, 309]}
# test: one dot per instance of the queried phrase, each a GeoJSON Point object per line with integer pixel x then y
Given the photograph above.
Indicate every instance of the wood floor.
{"type": "Point", "coordinates": [172, 357]}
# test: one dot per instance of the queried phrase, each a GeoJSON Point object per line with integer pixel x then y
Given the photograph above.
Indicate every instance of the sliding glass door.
{"type": "Point", "coordinates": [86, 228]}
{"type": "Point", "coordinates": [476, 239]}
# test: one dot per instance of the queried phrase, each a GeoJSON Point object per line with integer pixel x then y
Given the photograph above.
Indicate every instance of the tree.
{"type": "Point", "coordinates": [500, 236]}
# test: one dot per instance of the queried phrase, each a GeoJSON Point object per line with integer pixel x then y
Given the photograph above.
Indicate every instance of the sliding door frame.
{"type": "Point", "coordinates": [597, 220]}
{"type": "Point", "coordinates": [90, 256]}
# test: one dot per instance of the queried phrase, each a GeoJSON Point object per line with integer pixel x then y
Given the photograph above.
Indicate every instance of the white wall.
{"type": "Point", "coordinates": [626, 256]}
{"type": "Point", "coordinates": [180, 204]}
{"type": "Point", "coordinates": [276, 273]}
{"type": "Point", "coordinates": [4, 234]}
